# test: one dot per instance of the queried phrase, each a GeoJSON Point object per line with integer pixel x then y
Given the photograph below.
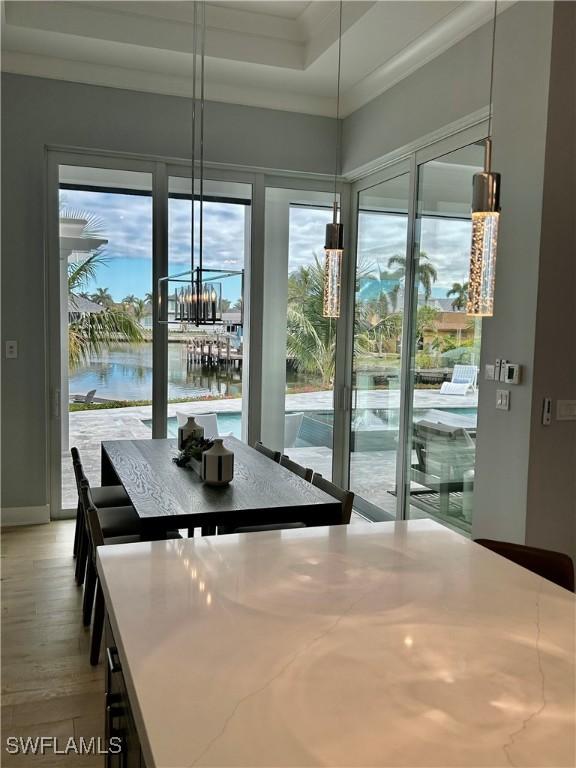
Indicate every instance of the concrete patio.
{"type": "Point", "coordinates": [372, 473]}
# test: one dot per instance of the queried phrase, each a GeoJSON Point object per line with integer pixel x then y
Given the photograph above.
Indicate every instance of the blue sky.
{"type": "Point", "coordinates": [127, 224]}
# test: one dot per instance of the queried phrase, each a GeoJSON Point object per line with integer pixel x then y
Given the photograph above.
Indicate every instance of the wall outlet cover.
{"type": "Point", "coordinates": [489, 372]}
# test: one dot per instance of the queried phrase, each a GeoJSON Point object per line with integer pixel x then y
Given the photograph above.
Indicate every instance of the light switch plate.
{"type": "Point", "coordinates": [566, 410]}
{"type": "Point", "coordinates": [489, 372]}
{"type": "Point", "coordinates": [502, 400]}
{"type": "Point", "coordinates": [11, 350]}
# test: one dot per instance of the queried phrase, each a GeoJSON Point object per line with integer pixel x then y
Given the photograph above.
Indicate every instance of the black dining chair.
{"type": "Point", "coordinates": [268, 452]}
{"type": "Point", "coordinates": [104, 497]}
{"type": "Point", "coordinates": [304, 472]}
{"type": "Point", "coordinates": [93, 596]}
{"type": "Point", "coordinates": [554, 566]}
{"type": "Point", "coordinates": [345, 497]}
{"type": "Point", "coordinates": [113, 523]}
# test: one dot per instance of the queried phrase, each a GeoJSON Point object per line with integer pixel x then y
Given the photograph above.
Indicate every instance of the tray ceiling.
{"type": "Point", "coordinates": [280, 55]}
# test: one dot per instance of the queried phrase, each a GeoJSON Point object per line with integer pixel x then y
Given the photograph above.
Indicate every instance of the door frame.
{"type": "Point", "coordinates": [160, 169]}
{"type": "Point", "coordinates": [410, 163]}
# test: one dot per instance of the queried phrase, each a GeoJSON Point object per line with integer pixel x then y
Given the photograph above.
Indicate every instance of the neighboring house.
{"type": "Point", "coordinates": [78, 306]}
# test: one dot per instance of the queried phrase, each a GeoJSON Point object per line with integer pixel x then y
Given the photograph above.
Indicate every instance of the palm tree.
{"type": "Point", "coordinates": [311, 337]}
{"type": "Point", "coordinates": [102, 296]}
{"type": "Point", "coordinates": [426, 272]}
{"type": "Point", "coordinates": [129, 300]}
{"type": "Point", "coordinates": [139, 308]}
{"type": "Point", "coordinates": [149, 298]}
{"type": "Point", "coordinates": [92, 332]}
{"type": "Point", "coordinates": [460, 292]}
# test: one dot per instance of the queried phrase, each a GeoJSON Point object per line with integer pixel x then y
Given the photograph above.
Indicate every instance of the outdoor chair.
{"type": "Point", "coordinates": [87, 398]}
{"type": "Point", "coordinates": [463, 381]}
{"type": "Point", "coordinates": [207, 420]}
{"type": "Point", "coordinates": [445, 456]}
{"type": "Point", "coordinates": [292, 424]}
{"type": "Point", "coordinates": [554, 566]}
{"type": "Point", "coordinates": [346, 497]}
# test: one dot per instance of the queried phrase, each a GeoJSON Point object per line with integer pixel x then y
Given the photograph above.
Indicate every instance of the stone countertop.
{"type": "Point", "coordinates": [389, 644]}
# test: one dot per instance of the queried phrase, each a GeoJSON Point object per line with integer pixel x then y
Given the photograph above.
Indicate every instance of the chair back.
{"type": "Point", "coordinates": [464, 374]}
{"type": "Point", "coordinates": [554, 566]}
{"type": "Point", "coordinates": [303, 472]}
{"type": "Point", "coordinates": [78, 469]}
{"type": "Point", "coordinates": [292, 424]}
{"type": "Point", "coordinates": [207, 420]}
{"type": "Point", "coordinates": [345, 497]}
{"type": "Point", "coordinates": [268, 452]}
{"type": "Point", "coordinates": [91, 516]}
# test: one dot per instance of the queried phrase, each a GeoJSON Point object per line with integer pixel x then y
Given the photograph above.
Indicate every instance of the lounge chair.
{"type": "Point", "coordinates": [87, 398]}
{"type": "Point", "coordinates": [207, 420]}
{"type": "Point", "coordinates": [292, 424]}
{"type": "Point", "coordinates": [463, 381]}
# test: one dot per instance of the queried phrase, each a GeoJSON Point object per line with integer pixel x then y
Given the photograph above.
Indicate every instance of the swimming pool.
{"type": "Point", "coordinates": [317, 427]}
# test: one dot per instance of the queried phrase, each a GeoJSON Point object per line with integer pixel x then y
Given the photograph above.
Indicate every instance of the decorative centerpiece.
{"type": "Point", "coordinates": [217, 464]}
{"type": "Point", "coordinates": [190, 431]}
{"type": "Point", "coordinates": [211, 461]}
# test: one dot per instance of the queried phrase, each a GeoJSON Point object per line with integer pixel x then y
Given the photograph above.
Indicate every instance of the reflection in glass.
{"type": "Point", "coordinates": [380, 292]}
{"type": "Point", "coordinates": [445, 345]}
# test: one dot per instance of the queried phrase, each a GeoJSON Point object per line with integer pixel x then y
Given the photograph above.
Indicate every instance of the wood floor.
{"type": "Point", "coordinates": [48, 685]}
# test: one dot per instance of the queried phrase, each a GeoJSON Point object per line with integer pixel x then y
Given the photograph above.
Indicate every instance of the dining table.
{"type": "Point", "coordinates": [370, 644]}
{"type": "Point", "coordinates": [168, 498]}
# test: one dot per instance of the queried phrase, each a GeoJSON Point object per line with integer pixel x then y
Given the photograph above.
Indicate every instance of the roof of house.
{"type": "Point", "coordinates": [83, 306]}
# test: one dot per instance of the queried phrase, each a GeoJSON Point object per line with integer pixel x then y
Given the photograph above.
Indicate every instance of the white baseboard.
{"type": "Point", "coordinates": [25, 515]}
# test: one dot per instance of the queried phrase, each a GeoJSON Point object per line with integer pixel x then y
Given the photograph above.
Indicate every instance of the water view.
{"type": "Point", "coordinates": [124, 373]}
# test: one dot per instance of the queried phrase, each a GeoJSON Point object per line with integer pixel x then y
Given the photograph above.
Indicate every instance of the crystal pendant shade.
{"type": "Point", "coordinates": [482, 264]}
{"type": "Point", "coordinates": [484, 245]}
{"type": "Point", "coordinates": [333, 269]}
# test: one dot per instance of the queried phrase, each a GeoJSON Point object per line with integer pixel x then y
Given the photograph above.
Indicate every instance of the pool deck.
{"type": "Point", "coordinates": [89, 428]}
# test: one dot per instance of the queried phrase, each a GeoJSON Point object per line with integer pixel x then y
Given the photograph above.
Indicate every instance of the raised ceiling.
{"type": "Point", "coordinates": [280, 55]}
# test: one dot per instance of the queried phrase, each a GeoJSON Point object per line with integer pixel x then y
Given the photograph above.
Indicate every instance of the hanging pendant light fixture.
{"type": "Point", "coordinates": [333, 248]}
{"type": "Point", "coordinates": [485, 221]}
{"type": "Point", "coordinates": [195, 297]}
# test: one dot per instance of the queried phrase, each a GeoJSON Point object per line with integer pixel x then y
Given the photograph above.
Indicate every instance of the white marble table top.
{"type": "Point", "coordinates": [389, 644]}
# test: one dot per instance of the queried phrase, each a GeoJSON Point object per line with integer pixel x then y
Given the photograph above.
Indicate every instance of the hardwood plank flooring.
{"type": "Point", "coordinates": [48, 685]}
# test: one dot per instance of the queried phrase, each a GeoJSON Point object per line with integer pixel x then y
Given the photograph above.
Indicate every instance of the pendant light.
{"type": "Point", "coordinates": [334, 245]}
{"type": "Point", "coordinates": [485, 220]}
{"type": "Point", "coordinates": [195, 297]}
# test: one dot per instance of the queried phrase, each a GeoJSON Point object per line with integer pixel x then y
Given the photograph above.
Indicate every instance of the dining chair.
{"type": "Point", "coordinates": [303, 472]}
{"type": "Point", "coordinates": [113, 522]}
{"type": "Point", "coordinates": [554, 566]}
{"type": "Point", "coordinates": [107, 496]}
{"type": "Point", "coordinates": [345, 497]}
{"type": "Point", "coordinates": [93, 596]}
{"type": "Point", "coordinates": [274, 455]}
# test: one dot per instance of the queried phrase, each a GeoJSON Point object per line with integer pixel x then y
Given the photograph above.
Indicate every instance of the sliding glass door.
{"type": "Point", "coordinates": [105, 239]}
{"type": "Point", "coordinates": [378, 324]}
{"type": "Point", "coordinates": [415, 353]}
{"type": "Point", "coordinates": [207, 363]}
{"type": "Point", "coordinates": [445, 345]}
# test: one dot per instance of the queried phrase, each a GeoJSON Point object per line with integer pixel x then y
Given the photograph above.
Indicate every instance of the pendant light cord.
{"type": "Point", "coordinates": [202, 63]}
{"type": "Point", "coordinates": [338, 131]}
{"type": "Point", "coordinates": [492, 71]}
{"type": "Point", "coordinates": [193, 157]}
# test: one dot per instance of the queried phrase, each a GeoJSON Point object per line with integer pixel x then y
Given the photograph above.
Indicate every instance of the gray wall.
{"type": "Point", "coordinates": [38, 112]}
{"type": "Point", "coordinates": [444, 91]}
{"type": "Point", "coordinates": [551, 512]}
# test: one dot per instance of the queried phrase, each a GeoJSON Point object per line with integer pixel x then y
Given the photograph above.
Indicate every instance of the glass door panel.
{"type": "Point", "coordinates": [380, 273]}
{"type": "Point", "coordinates": [206, 363]}
{"type": "Point", "coordinates": [105, 330]}
{"type": "Point", "coordinates": [299, 344]}
{"type": "Point", "coordinates": [445, 345]}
